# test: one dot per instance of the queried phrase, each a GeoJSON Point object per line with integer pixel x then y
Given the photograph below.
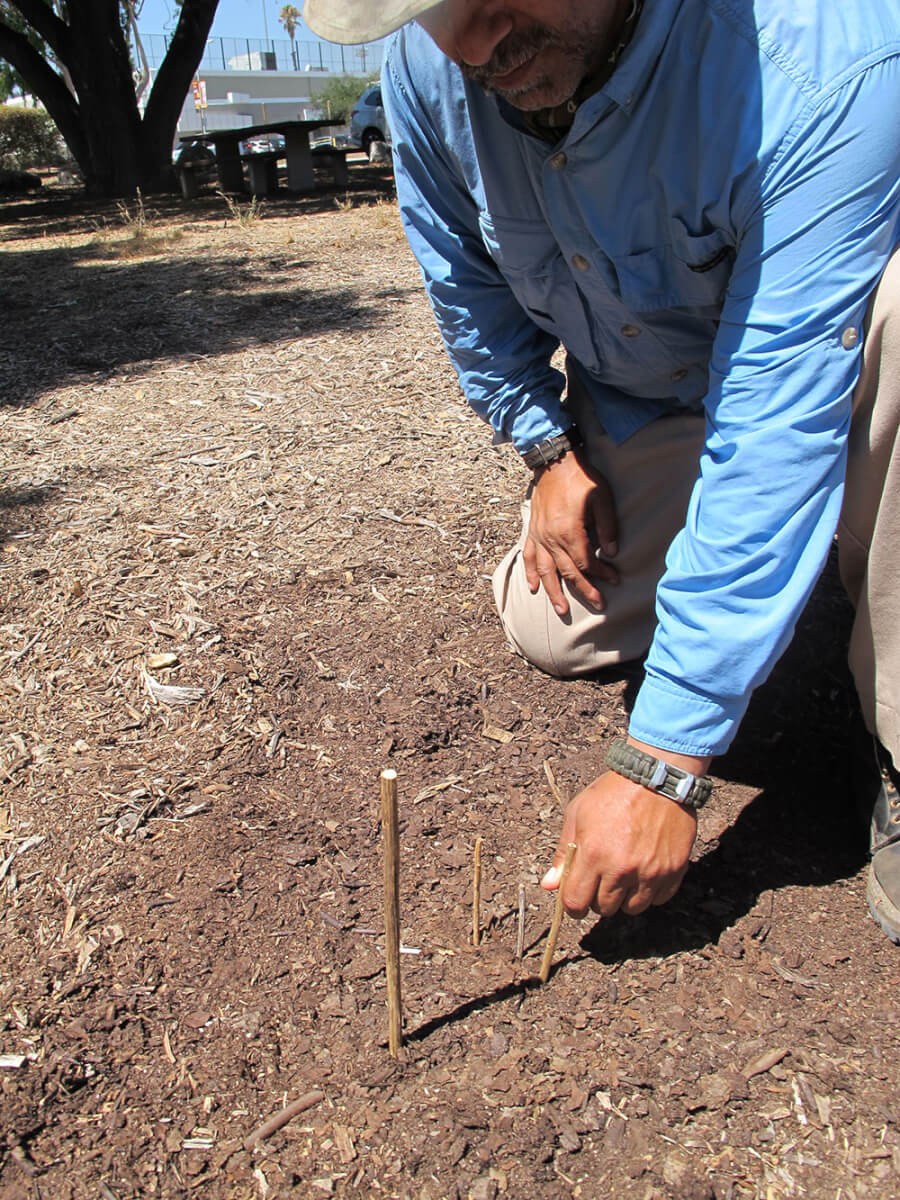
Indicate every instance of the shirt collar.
{"type": "Point", "coordinates": [627, 83]}
{"type": "Point", "coordinates": [635, 68]}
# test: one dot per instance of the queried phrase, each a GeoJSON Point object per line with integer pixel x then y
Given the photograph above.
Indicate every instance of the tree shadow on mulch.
{"type": "Point", "coordinates": [802, 745]}
{"type": "Point", "coordinates": [16, 503]}
{"type": "Point", "coordinates": [71, 314]}
{"type": "Point", "coordinates": [58, 211]}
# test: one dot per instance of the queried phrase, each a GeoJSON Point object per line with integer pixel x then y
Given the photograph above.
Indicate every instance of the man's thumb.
{"type": "Point", "coordinates": [551, 878]}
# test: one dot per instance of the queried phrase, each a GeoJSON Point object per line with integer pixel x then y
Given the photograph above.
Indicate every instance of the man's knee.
{"type": "Point", "coordinates": [582, 641]}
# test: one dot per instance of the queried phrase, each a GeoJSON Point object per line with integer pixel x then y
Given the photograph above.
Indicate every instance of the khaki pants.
{"type": "Point", "coordinates": [651, 476]}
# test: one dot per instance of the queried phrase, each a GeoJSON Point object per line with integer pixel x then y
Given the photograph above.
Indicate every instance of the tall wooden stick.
{"type": "Point", "coordinates": [476, 894]}
{"type": "Point", "coordinates": [391, 833]}
{"type": "Point", "coordinates": [547, 961]}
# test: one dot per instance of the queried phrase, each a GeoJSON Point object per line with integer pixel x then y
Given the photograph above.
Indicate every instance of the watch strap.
{"type": "Point", "coordinates": [549, 451]}
{"type": "Point", "coordinates": [657, 775]}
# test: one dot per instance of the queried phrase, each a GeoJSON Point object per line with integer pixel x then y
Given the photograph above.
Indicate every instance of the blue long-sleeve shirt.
{"type": "Point", "coordinates": [704, 238]}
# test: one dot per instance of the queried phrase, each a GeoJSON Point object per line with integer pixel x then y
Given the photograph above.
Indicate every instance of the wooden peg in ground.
{"type": "Point", "coordinates": [476, 894]}
{"type": "Point", "coordinates": [547, 961]}
{"type": "Point", "coordinates": [391, 833]}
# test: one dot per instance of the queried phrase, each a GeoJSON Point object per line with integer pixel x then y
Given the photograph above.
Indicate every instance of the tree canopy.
{"type": "Point", "coordinates": [74, 56]}
{"type": "Point", "coordinates": [290, 19]}
{"type": "Point", "coordinates": [339, 95]}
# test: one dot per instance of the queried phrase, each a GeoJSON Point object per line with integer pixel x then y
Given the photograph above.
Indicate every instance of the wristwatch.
{"type": "Point", "coordinates": [549, 451]}
{"type": "Point", "coordinates": [692, 791]}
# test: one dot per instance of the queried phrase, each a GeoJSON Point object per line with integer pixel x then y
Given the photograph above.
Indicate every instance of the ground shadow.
{"type": "Point", "coordinates": [60, 211]}
{"type": "Point", "coordinates": [802, 745]}
{"type": "Point", "coordinates": [506, 992]}
{"type": "Point", "coordinates": [74, 313]}
{"type": "Point", "coordinates": [786, 837]}
{"type": "Point", "coordinates": [16, 503]}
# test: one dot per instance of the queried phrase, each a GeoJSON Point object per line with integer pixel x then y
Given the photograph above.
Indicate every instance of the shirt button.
{"type": "Point", "coordinates": [681, 373]}
{"type": "Point", "coordinates": [558, 161]}
{"type": "Point", "coordinates": [580, 263]}
{"type": "Point", "coordinates": [849, 337]}
{"type": "Point", "coordinates": [630, 331]}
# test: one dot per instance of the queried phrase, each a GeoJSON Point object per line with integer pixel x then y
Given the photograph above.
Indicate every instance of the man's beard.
{"type": "Point", "coordinates": [521, 46]}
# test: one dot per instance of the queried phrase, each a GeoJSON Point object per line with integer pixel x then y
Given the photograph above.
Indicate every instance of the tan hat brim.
{"type": "Point", "coordinates": [354, 21]}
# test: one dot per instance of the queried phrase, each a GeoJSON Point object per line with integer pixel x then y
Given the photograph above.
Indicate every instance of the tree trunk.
{"type": "Point", "coordinates": [106, 99]}
{"type": "Point", "coordinates": [118, 150]}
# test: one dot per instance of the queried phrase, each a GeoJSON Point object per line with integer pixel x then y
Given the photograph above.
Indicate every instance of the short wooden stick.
{"type": "Point", "coordinates": [520, 938]}
{"type": "Point", "coordinates": [391, 833]}
{"type": "Point", "coordinates": [476, 894]}
{"type": "Point", "coordinates": [281, 1118]}
{"type": "Point", "coordinates": [547, 961]}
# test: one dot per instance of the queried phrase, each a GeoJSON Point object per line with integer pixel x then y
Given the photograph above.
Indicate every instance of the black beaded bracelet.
{"type": "Point", "coordinates": [549, 451]}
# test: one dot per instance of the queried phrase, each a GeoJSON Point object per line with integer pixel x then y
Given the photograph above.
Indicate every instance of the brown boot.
{"type": "Point", "coordinates": [883, 890]}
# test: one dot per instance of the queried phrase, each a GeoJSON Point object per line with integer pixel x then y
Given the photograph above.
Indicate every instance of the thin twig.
{"type": "Point", "coordinates": [280, 1119]}
{"type": "Point", "coordinates": [20, 654]}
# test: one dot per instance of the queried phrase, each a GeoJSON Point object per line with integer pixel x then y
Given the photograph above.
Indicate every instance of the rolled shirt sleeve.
{"type": "Point", "coordinates": [815, 237]}
{"type": "Point", "coordinates": [791, 164]}
{"type": "Point", "coordinates": [501, 357]}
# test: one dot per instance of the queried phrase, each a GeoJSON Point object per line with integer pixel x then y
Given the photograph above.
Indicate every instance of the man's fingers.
{"type": "Point", "coordinates": [637, 901]}
{"type": "Point", "coordinates": [552, 566]}
{"type": "Point", "coordinates": [529, 558]}
{"type": "Point", "coordinates": [609, 898]}
{"type": "Point", "coordinates": [548, 577]}
{"type": "Point", "coordinates": [584, 888]}
{"type": "Point", "coordinates": [580, 583]}
{"type": "Point", "coordinates": [540, 569]}
{"type": "Point", "coordinates": [664, 892]}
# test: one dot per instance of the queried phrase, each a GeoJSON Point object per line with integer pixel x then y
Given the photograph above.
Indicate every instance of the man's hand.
{"type": "Point", "coordinates": [572, 516]}
{"type": "Point", "coordinates": [633, 844]}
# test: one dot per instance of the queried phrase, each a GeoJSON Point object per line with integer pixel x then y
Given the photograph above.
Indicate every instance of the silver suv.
{"type": "Point", "coordinates": [367, 121]}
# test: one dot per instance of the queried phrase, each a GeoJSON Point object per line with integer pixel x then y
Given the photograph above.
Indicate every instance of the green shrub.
{"type": "Point", "coordinates": [28, 138]}
{"type": "Point", "coordinates": [340, 95]}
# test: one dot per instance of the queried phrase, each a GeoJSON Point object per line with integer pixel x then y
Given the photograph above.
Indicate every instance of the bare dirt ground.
{"type": "Point", "coordinates": [237, 464]}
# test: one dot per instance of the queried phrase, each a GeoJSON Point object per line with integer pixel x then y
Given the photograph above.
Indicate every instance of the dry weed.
{"type": "Point", "coordinates": [246, 215]}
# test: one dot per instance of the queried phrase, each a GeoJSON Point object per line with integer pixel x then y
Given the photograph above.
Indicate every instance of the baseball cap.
{"type": "Point", "coordinates": [354, 21]}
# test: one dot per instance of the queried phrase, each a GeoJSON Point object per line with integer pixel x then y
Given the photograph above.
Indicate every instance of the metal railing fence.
{"type": "Point", "coordinates": [276, 54]}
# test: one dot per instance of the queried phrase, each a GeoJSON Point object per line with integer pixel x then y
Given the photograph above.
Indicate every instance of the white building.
{"type": "Point", "coordinates": [245, 82]}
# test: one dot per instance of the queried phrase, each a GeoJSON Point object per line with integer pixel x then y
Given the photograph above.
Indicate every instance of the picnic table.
{"type": "Point", "coordinates": [297, 151]}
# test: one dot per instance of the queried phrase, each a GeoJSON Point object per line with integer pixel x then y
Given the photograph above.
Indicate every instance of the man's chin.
{"type": "Point", "coordinates": [542, 93]}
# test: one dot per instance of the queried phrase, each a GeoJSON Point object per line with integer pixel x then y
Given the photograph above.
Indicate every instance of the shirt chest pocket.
{"type": "Point", "coordinates": [689, 272]}
{"type": "Point", "coordinates": [529, 259]}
